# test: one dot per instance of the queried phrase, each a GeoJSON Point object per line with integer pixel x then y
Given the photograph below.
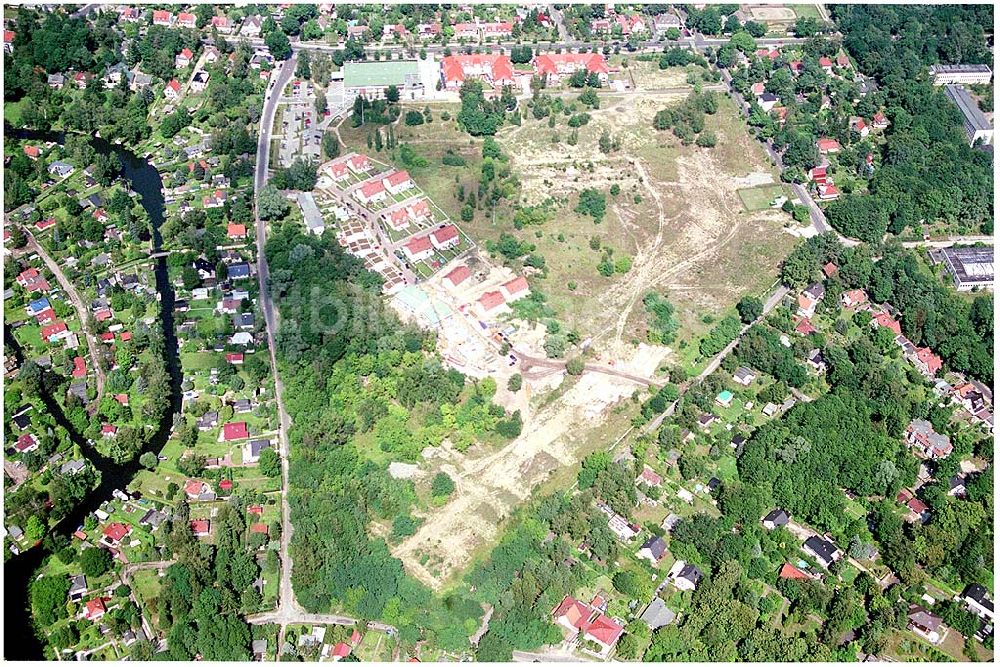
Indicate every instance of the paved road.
{"type": "Point", "coordinates": [697, 42]}
{"type": "Point", "coordinates": [816, 215]}
{"type": "Point", "coordinates": [81, 309]}
{"type": "Point", "coordinates": [287, 606]}
{"type": "Point", "coordinates": [949, 242]}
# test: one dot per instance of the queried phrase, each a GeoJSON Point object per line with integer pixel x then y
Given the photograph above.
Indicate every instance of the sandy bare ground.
{"type": "Point", "coordinates": [689, 221]}
{"type": "Point", "coordinates": [489, 487]}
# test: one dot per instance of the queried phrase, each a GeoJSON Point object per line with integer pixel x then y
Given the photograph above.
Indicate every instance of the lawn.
{"type": "Point", "coordinates": [374, 647]}
{"type": "Point", "coordinates": [760, 197]}
{"type": "Point", "coordinates": [727, 471]}
{"type": "Point", "coordinates": [854, 509]}
{"type": "Point", "coordinates": [806, 11]}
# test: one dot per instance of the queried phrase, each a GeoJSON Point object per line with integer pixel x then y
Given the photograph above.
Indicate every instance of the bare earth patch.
{"type": "Point", "coordinates": [489, 487]}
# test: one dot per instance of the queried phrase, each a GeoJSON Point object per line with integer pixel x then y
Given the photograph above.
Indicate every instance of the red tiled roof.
{"type": "Point", "coordinates": [236, 231]}
{"type": "Point", "coordinates": [458, 275]}
{"type": "Point", "coordinates": [116, 531]}
{"type": "Point", "coordinates": [234, 357]}
{"type": "Point", "coordinates": [160, 15]}
{"type": "Point", "coordinates": [550, 63]}
{"type": "Point", "coordinates": [109, 429]}
{"type": "Point", "coordinates": [456, 68]}
{"type": "Point", "coordinates": [235, 431]}
{"type": "Point", "coordinates": [829, 269]}
{"type": "Point", "coordinates": [25, 442]}
{"type": "Point", "coordinates": [917, 506]}
{"type": "Point", "coordinates": [445, 234]}
{"type": "Point", "coordinates": [122, 398]}
{"type": "Point", "coordinates": [418, 244]}
{"type": "Point", "coordinates": [53, 329]}
{"type": "Point", "coordinates": [94, 608]}
{"type": "Point", "coordinates": [573, 611]}
{"type": "Point", "coordinates": [516, 286]}
{"type": "Point", "coordinates": [372, 188]}
{"type": "Point", "coordinates": [397, 178]}
{"type": "Point", "coordinates": [855, 297]}
{"type": "Point", "coordinates": [226, 485]}
{"type": "Point", "coordinates": [255, 509]}
{"type": "Point", "coordinates": [805, 327]}
{"type": "Point", "coordinates": [45, 316]}
{"type": "Point", "coordinates": [789, 571]}
{"type": "Point", "coordinates": [193, 487]}
{"type": "Point", "coordinates": [929, 359]}
{"type": "Point", "coordinates": [200, 526]}
{"type": "Point", "coordinates": [187, 53]}
{"type": "Point", "coordinates": [605, 630]}
{"type": "Point", "coordinates": [259, 528]}
{"type": "Point", "coordinates": [827, 144]}
{"type": "Point", "coordinates": [825, 62]}
{"type": "Point", "coordinates": [883, 319]}
{"type": "Point", "coordinates": [174, 85]}
{"type": "Point", "coordinates": [79, 367]}
{"type": "Point", "coordinates": [45, 224]}
{"type": "Point", "coordinates": [341, 650]}
{"type": "Point", "coordinates": [32, 151]}
{"type": "Point", "coordinates": [491, 300]}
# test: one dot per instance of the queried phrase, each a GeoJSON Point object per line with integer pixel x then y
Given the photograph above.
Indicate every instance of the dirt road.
{"type": "Point", "coordinates": [78, 305]}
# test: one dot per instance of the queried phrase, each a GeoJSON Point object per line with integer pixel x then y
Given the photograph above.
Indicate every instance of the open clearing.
{"type": "Point", "coordinates": [678, 216]}
{"type": "Point", "coordinates": [488, 487]}
{"type": "Point", "coordinates": [760, 198]}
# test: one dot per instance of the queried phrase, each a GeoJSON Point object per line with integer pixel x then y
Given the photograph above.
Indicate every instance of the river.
{"type": "Point", "coordinates": [20, 570]}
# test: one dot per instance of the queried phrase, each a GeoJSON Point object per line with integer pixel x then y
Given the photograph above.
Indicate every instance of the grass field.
{"type": "Point", "coordinates": [806, 12]}
{"type": "Point", "coordinates": [760, 197]}
{"type": "Point", "coordinates": [854, 509]}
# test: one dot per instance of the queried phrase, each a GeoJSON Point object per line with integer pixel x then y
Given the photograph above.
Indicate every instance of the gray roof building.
{"type": "Point", "coordinates": [977, 125]}
{"type": "Point", "coordinates": [657, 614]}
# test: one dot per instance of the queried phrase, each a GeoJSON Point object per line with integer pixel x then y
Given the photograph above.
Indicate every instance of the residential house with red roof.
{"type": "Point", "coordinates": [492, 69]}
{"type": "Point", "coordinates": [32, 280]}
{"type": "Point", "coordinates": [79, 368]}
{"type": "Point", "coordinates": [827, 192]}
{"type": "Point", "coordinates": [397, 181]}
{"type": "Point", "coordinates": [193, 488]}
{"type": "Point", "coordinates": [235, 431]}
{"type": "Point", "coordinates": [33, 152]}
{"type": "Point", "coordinates": [556, 66]}
{"type": "Point", "coordinates": [880, 121]}
{"type": "Point", "coordinates": [115, 532]}
{"type": "Point", "coordinates": [497, 29]}
{"type": "Point", "coordinates": [420, 210]}
{"type": "Point", "coordinates": [466, 30]}
{"type": "Point", "coordinates": [826, 145]}
{"type": "Point", "coordinates": [359, 163]}
{"type": "Point", "coordinates": [457, 276]}
{"type": "Point", "coordinates": [26, 442]}
{"type": "Point", "coordinates": [515, 289]}
{"type": "Point", "coordinates": [54, 332]}
{"type": "Point", "coordinates": [163, 18]}
{"type": "Point", "coordinates": [789, 571]}
{"type": "Point", "coordinates": [183, 59]}
{"type": "Point", "coordinates": [109, 430]}
{"type": "Point", "coordinates": [370, 191]}
{"type": "Point", "coordinates": [397, 218]}
{"type": "Point", "coordinates": [236, 231]}
{"type": "Point", "coordinates": [854, 298]}
{"type": "Point", "coordinates": [42, 225]}
{"type": "Point", "coordinates": [94, 610]}
{"type": "Point", "coordinates": [490, 302]}
{"type": "Point", "coordinates": [259, 528]}
{"type": "Point", "coordinates": [187, 20]}
{"type": "Point", "coordinates": [826, 64]}
{"type": "Point", "coordinates": [172, 91]}
{"type": "Point", "coordinates": [222, 24]}
{"type": "Point", "coordinates": [235, 358]}
{"type": "Point", "coordinates": [884, 319]}
{"type": "Point", "coordinates": [418, 248]}
{"type": "Point", "coordinates": [445, 237]}
{"type": "Point", "coordinates": [47, 316]}
{"type": "Point", "coordinates": [8, 40]}
{"type": "Point", "coordinates": [927, 362]}
{"type": "Point", "coordinates": [805, 327]}
{"type": "Point", "coordinates": [858, 124]}
{"type": "Point", "coordinates": [201, 527]}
